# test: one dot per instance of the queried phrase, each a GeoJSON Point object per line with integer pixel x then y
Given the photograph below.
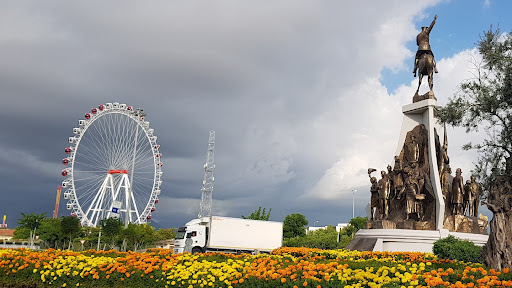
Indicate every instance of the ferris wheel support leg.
{"type": "Point", "coordinates": [125, 183]}
{"type": "Point", "coordinates": [127, 197]}
{"type": "Point", "coordinates": [116, 194]}
{"type": "Point", "coordinates": [134, 204]}
{"type": "Point", "coordinates": [96, 205]}
{"type": "Point", "coordinates": [100, 206]}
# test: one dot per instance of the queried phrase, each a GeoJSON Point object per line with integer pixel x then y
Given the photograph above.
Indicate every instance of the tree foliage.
{"type": "Point", "coordinates": [165, 234]}
{"type": "Point", "coordinates": [70, 226]}
{"type": "Point", "coordinates": [485, 102]}
{"type": "Point", "coordinates": [112, 227]}
{"type": "Point", "coordinates": [50, 233]}
{"type": "Point", "coordinates": [321, 238]}
{"type": "Point", "coordinates": [294, 225]}
{"type": "Point", "coordinates": [358, 223]}
{"type": "Point", "coordinates": [138, 234]}
{"type": "Point", "coordinates": [31, 220]}
{"type": "Point", "coordinates": [65, 233]}
{"type": "Point", "coordinates": [259, 215]}
{"type": "Point", "coordinates": [349, 231]}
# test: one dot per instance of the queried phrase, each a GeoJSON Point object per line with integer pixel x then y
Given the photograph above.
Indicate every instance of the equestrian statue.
{"type": "Point", "coordinates": [424, 62]}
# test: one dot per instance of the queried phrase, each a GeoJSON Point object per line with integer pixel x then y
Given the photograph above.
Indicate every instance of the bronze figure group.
{"type": "Point", "coordinates": [404, 186]}
{"type": "Point", "coordinates": [460, 198]}
{"type": "Point", "coordinates": [405, 191]}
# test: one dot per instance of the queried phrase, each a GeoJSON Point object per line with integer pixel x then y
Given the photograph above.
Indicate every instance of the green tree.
{"type": "Point", "coordinates": [294, 225]}
{"type": "Point", "coordinates": [21, 232]}
{"type": "Point", "coordinates": [138, 235]}
{"type": "Point", "coordinates": [90, 235]}
{"type": "Point", "coordinates": [111, 228]}
{"type": "Point", "coordinates": [485, 101]}
{"type": "Point", "coordinates": [348, 232]}
{"type": "Point", "coordinates": [27, 224]}
{"type": "Point", "coordinates": [165, 234]}
{"type": "Point", "coordinates": [70, 226]}
{"type": "Point", "coordinates": [50, 233]}
{"type": "Point", "coordinates": [148, 235]}
{"type": "Point", "coordinates": [259, 215]}
{"type": "Point", "coordinates": [321, 238]}
{"type": "Point", "coordinates": [358, 222]}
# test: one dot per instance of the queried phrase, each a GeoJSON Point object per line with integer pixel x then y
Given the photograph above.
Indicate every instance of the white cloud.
{"type": "Point", "coordinates": [376, 147]}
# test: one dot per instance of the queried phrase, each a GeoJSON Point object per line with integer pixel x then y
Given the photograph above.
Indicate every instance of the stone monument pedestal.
{"type": "Point", "coordinates": [402, 240]}
{"type": "Point", "coordinates": [419, 234]}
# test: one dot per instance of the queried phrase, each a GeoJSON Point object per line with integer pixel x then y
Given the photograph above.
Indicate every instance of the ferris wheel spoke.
{"type": "Point", "coordinates": [87, 191]}
{"type": "Point", "coordinates": [90, 164]}
{"type": "Point", "coordinates": [98, 167]}
{"type": "Point", "coordinates": [87, 182]}
{"type": "Point", "coordinates": [97, 140]}
{"type": "Point", "coordinates": [145, 159]}
{"type": "Point", "coordinates": [144, 179]}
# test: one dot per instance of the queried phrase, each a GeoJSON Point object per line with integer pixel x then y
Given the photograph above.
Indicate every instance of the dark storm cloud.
{"type": "Point", "coordinates": [265, 77]}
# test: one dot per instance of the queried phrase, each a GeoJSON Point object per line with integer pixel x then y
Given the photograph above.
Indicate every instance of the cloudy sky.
{"type": "Point", "coordinates": [304, 96]}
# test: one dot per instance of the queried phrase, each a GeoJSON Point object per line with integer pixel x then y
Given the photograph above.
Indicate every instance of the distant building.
{"type": "Point", "coordinates": [311, 229]}
{"type": "Point", "coordinates": [6, 234]}
{"type": "Point", "coordinates": [341, 226]}
{"type": "Point", "coordinates": [337, 227]}
{"type": "Point", "coordinates": [165, 244]}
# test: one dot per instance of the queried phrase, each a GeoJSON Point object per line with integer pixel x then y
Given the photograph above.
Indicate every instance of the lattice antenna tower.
{"type": "Point", "coordinates": [205, 209]}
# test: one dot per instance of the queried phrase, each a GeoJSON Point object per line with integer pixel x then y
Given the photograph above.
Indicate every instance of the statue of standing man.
{"type": "Point", "coordinates": [384, 187]}
{"type": "Point", "coordinates": [458, 193]}
{"type": "Point", "coordinates": [476, 191]}
{"type": "Point", "coordinates": [374, 190]}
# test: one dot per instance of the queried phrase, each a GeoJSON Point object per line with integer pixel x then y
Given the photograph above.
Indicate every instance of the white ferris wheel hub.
{"type": "Point", "coordinates": [115, 138]}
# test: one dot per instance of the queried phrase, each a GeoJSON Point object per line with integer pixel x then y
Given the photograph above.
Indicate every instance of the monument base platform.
{"type": "Point", "coordinates": [403, 240]}
{"type": "Point", "coordinates": [401, 224]}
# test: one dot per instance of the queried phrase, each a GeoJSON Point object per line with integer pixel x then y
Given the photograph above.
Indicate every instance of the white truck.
{"type": "Point", "coordinates": [229, 235]}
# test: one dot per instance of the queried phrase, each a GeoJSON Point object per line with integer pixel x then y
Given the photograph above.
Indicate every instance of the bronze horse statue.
{"type": "Point", "coordinates": [426, 68]}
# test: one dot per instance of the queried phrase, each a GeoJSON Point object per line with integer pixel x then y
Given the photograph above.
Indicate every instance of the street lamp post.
{"type": "Point", "coordinates": [353, 201]}
{"type": "Point", "coordinates": [316, 222]}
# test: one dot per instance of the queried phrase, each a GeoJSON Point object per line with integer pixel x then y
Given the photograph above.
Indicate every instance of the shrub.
{"type": "Point", "coordinates": [456, 249]}
{"type": "Point", "coordinates": [322, 239]}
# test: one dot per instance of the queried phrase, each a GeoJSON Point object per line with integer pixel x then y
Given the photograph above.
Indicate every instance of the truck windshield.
{"type": "Point", "coordinates": [180, 235]}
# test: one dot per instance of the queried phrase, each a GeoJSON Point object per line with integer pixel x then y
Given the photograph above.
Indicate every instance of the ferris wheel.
{"type": "Point", "coordinates": [113, 166]}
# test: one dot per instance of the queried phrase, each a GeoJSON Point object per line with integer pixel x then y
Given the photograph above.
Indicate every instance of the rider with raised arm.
{"type": "Point", "coordinates": [422, 40]}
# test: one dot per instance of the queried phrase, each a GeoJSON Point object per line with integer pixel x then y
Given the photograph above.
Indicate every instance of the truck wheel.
{"type": "Point", "coordinates": [196, 250]}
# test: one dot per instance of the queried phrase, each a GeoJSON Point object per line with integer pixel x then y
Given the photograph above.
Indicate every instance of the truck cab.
{"type": "Point", "coordinates": [191, 238]}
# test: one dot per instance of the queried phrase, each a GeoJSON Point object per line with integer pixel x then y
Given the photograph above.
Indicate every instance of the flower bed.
{"type": "Point", "coordinates": [286, 267]}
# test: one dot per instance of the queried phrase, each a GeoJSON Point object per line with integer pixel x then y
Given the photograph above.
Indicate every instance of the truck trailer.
{"type": "Point", "coordinates": [229, 235]}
